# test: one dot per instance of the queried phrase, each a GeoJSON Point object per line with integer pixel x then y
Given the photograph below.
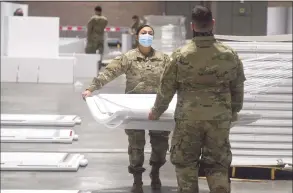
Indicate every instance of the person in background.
{"type": "Point", "coordinates": [209, 79]}
{"type": "Point", "coordinates": [95, 34]}
{"type": "Point", "coordinates": [18, 12]}
{"type": "Point", "coordinates": [135, 25]}
{"type": "Point", "coordinates": [142, 67]}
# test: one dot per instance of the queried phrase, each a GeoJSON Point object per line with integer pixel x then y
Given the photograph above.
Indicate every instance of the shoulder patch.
{"type": "Point", "coordinates": [118, 57]}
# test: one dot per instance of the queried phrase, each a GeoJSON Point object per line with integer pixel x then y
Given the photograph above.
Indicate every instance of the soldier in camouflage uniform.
{"type": "Point", "coordinates": [95, 34]}
{"type": "Point", "coordinates": [136, 24]}
{"type": "Point", "coordinates": [208, 77]}
{"type": "Point", "coordinates": [142, 67]}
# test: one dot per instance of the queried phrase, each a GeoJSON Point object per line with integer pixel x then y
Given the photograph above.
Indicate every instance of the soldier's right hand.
{"type": "Point", "coordinates": [85, 94]}
{"type": "Point", "coordinates": [234, 117]}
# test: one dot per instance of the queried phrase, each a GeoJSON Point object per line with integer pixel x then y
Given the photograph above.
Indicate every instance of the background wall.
{"type": "Point", "coordinates": [242, 19]}
{"type": "Point", "coordinates": [78, 13]}
{"type": "Point", "coordinates": [228, 19]}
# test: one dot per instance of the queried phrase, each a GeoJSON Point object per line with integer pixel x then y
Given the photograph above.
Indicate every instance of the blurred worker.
{"type": "Point", "coordinates": [95, 34]}
{"type": "Point", "coordinates": [135, 25]}
{"type": "Point", "coordinates": [18, 12]}
{"type": "Point", "coordinates": [208, 77]}
{"type": "Point", "coordinates": [142, 67]}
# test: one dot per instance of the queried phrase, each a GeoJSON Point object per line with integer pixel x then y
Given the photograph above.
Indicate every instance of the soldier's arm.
{"type": "Point", "coordinates": [167, 87]}
{"type": "Point", "coordinates": [106, 22]}
{"type": "Point", "coordinates": [115, 68]}
{"type": "Point", "coordinates": [237, 87]}
{"type": "Point", "coordinates": [90, 27]}
{"type": "Point", "coordinates": [132, 29]}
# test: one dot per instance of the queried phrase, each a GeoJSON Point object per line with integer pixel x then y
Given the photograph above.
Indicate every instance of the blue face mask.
{"type": "Point", "coordinates": [145, 40]}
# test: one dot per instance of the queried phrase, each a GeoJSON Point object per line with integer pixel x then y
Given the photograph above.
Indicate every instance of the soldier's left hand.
{"type": "Point", "coordinates": [151, 116]}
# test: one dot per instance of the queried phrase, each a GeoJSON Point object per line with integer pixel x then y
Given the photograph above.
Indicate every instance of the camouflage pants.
{"type": "Point", "coordinates": [204, 143]}
{"type": "Point", "coordinates": [136, 143]}
{"type": "Point", "coordinates": [92, 47]}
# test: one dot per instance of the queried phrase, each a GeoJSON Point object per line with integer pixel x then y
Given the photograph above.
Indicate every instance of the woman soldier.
{"type": "Point", "coordinates": [142, 67]}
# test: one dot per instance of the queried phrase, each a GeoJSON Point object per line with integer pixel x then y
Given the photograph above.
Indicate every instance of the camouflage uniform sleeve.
{"type": "Point", "coordinates": [115, 68]}
{"type": "Point", "coordinates": [167, 87]}
{"type": "Point", "coordinates": [132, 28]}
{"type": "Point", "coordinates": [237, 87]}
{"type": "Point", "coordinates": [89, 27]}
{"type": "Point", "coordinates": [166, 61]}
{"type": "Point", "coordinates": [106, 22]}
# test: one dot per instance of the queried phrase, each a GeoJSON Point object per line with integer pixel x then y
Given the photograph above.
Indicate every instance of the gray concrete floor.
{"type": "Point", "coordinates": [105, 149]}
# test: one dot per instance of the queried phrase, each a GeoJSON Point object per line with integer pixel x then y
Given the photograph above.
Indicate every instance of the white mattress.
{"type": "Point", "coordinates": [39, 120]}
{"type": "Point", "coordinates": [41, 191]}
{"type": "Point", "coordinates": [37, 135]}
{"type": "Point", "coordinates": [36, 161]}
{"type": "Point", "coordinates": [124, 111]}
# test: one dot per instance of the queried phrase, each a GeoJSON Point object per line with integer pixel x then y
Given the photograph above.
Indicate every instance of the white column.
{"type": "Point", "coordinates": [276, 20]}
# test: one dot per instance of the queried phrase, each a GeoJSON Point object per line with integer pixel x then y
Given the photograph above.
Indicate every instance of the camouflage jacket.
{"type": "Point", "coordinates": [142, 73]}
{"type": "Point", "coordinates": [96, 27]}
{"type": "Point", "coordinates": [208, 77]}
{"type": "Point", "coordinates": [135, 26]}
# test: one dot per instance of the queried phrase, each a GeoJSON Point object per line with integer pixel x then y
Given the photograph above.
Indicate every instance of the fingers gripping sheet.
{"type": "Point", "coordinates": [125, 111]}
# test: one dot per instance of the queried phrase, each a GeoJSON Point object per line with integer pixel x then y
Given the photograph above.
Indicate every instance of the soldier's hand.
{"type": "Point", "coordinates": [151, 116]}
{"type": "Point", "coordinates": [85, 94]}
{"type": "Point", "coordinates": [234, 117]}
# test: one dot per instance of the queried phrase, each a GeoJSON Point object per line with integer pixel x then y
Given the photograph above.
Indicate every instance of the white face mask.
{"type": "Point", "coordinates": [145, 40]}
